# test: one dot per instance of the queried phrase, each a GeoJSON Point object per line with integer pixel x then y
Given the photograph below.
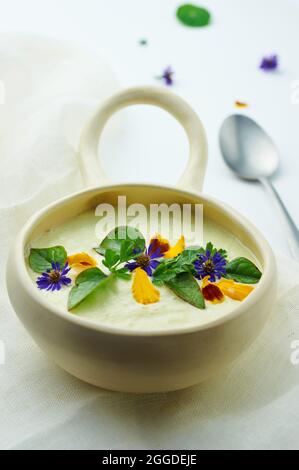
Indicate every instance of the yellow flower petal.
{"type": "Point", "coordinates": [142, 288]}
{"type": "Point", "coordinates": [241, 104]}
{"type": "Point", "coordinates": [234, 290]}
{"type": "Point", "coordinates": [176, 249]}
{"type": "Point", "coordinates": [81, 261]}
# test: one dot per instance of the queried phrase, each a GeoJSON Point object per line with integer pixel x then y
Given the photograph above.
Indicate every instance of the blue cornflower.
{"type": "Point", "coordinates": [269, 63]}
{"type": "Point", "coordinates": [210, 263]}
{"type": "Point", "coordinates": [167, 76]}
{"type": "Point", "coordinates": [148, 260]}
{"type": "Point", "coordinates": [55, 278]}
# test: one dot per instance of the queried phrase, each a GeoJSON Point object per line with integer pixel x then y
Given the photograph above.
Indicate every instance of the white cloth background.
{"type": "Point", "coordinates": [50, 88]}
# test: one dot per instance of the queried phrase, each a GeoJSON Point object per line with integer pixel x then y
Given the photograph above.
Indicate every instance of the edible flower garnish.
{"type": "Point", "coordinates": [211, 291]}
{"type": "Point", "coordinates": [125, 255]}
{"type": "Point", "coordinates": [269, 63]}
{"type": "Point", "coordinates": [167, 76]}
{"type": "Point", "coordinates": [55, 278]}
{"type": "Point", "coordinates": [149, 259]}
{"type": "Point", "coordinates": [241, 104]}
{"type": "Point", "coordinates": [176, 249]}
{"type": "Point", "coordinates": [215, 292]}
{"type": "Point", "coordinates": [233, 289]}
{"type": "Point", "coordinates": [211, 263]}
{"type": "Point", "coordinates": [81, 261]}
{"type": "Point", "coordinates": [143, 290]}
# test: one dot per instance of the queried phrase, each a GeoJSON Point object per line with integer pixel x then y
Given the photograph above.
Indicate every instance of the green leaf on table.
{"type": "Point", "coordinates": [41, 259]}
{"type": "Point", "coordinates": [193, 16]}
{"type": "Point", "coordinates": [85, 284]}
{"type": "Point", "coordinates": [123, 241]}
{"type": "Point", "coordinates": [243, 270]}
{"type": "Point", "coordinates": [185, 286]}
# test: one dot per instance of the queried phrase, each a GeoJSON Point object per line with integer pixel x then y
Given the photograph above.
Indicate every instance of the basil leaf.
{"type": "Point", "coordinates": [85, 284]}
{"type": "Point", "coordinates": [111, 258]}
{"type": "Point", "coordinates": [123, 273]}
{"type": "Point", "coordinates": [193, 16]}
{"type": "Point", "coordinates": [185, 286]}
{"type": "Point", "coordinates": [125, 241]}
{"type": "Point", "coordinates": [169, 268]}
{"type": "Point", "coordinates": [210, 247]}
{"type": "Point", "coordinates": [41, 259]}
{"type": "Point", "coordinates": [243, 270]}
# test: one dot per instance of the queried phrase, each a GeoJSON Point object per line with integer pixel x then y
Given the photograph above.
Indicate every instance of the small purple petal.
{"type": "Point", "coordinates": [269, 63]}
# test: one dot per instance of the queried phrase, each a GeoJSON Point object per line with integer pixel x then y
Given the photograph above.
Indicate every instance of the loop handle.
{"type": "Point", "coordinates": [193, 175]}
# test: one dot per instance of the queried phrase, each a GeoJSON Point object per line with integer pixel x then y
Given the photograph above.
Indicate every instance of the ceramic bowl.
{"type": "Point", "coordinates": [141, 361]}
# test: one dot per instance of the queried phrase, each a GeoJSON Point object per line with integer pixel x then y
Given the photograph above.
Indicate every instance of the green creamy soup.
{"type": "Point", "coordinates": [113, 304]}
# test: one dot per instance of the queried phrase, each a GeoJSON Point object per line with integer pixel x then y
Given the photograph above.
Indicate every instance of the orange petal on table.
{"type": "Point", "coordinates": [211, 291]}
{"type": "Point", "coordinates": [234, 290]}
{"type": "Point", "coordinates": [241, 104]}
{"type": "Point", "coordinates": [81, 260]}
{"type": "Point", "coordinates": [176, 249]}
{"type": "Point", "coordinates": [142, 288]}
{"type": "Point", "coordinates": [158, 242]}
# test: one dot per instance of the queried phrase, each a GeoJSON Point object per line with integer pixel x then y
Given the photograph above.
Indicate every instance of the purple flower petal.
{"type": "Point", "coordinates": [269, 63]}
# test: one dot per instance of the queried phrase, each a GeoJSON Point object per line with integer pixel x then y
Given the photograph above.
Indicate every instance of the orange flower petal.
{"type": "Point", "coordinates": [241, 104]}
{"type": "Point", "coordinates": [81, 260]}
{"type": "Point", "coordinates": [142, 288]}
{"type": "Point", "coordinates": [211, 291]}
{"type": "Point", "coordinates": [176, 249]}
{"type": "Point", "coordinates": [234, 290]}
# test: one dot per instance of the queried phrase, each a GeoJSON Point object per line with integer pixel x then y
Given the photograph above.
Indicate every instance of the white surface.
{"type": "Point", "coordinates": [214, 66]}
{"type": "Point", "coordinates": [254, 405]}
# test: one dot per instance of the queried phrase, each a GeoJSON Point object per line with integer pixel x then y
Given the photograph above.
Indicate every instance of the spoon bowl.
{"type": "Point", "coordinates": [247, 149]}
{"type": "Point", "coordinates": [251, 154]}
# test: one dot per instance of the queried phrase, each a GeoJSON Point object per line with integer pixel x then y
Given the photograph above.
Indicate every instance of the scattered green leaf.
{"type": "Point", "coordinates": [185, 286]}
{"type": "Point", "coordinates": [193, 16]}
{"type": "Point", "coordinates": [243, 270]}
{"type": "Point", "coordinates": [41, 259]}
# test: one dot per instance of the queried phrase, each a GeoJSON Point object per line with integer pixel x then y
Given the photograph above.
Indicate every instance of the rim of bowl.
{"type": "Point", "coordinates": [269, 268]}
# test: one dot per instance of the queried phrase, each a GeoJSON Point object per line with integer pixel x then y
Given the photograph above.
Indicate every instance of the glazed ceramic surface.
{"type": "Point", "coordinates": [141, 360]}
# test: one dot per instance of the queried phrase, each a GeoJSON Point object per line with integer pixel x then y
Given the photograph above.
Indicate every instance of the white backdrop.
{"type": "Point", "coordinates": [253, 405]}
{"type": "Point", "coordinates": [214, 66]}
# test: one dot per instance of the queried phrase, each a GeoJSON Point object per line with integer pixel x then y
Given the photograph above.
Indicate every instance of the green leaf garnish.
{"type": "Point", "coordinates": [243, 270]}
{"type": "Point", "coordinates": [122, 241]}
{"type": "Point", "coordinates": [193, 16]}
{"type": "Point", "coordinates": [169, 268]}
{"type": "Point", "coordinates": [123, 273]}
{"type": "Point", "coordinates": [85, 284]}
{"type": "Point", "coordinates": [185, 286]}
{"type": "Point", "coordinates": [41, 259]}
{"type": "Point", "coordinates": [111, 258]}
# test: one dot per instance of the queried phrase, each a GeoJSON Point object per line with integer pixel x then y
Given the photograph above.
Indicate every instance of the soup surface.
{"type": "Point", "coordinates": [113, 304]}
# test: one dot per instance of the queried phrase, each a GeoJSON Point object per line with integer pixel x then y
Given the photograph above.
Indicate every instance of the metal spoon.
{"type": "Point", "coordinates": [252, 155]}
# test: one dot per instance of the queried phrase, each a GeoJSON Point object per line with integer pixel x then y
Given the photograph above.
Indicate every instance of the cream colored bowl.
{"type": "Point", "coordinates": [141, 361]}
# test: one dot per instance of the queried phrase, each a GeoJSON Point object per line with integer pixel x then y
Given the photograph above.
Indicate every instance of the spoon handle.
{"type": "Point", "coordinates": [290, 226]}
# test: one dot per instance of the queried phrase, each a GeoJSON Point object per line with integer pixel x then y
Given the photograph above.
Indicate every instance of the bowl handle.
{"type": "Point", "coordinates": [193, 176]}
